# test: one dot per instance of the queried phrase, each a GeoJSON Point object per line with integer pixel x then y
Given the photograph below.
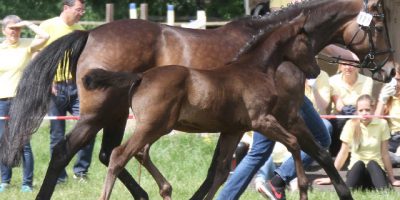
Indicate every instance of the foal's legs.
{"type": "Point", "coordinates": [313, 149]}
{"type": "Point", "coordinates": [272, 129]}
{"type": "Point", "coordinates": [143, 134]}
{"type": "Point", "coordinates": [112, 137]}
{"type": "Point", "coordinates": [144, 158]}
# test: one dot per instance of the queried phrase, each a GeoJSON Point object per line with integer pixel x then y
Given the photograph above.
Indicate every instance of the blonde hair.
{"type": "Point", "coordinates": [356, 122]}
{"type": "Point", "coordinates": [8, 19]}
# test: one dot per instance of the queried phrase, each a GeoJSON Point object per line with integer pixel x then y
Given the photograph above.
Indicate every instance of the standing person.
{"type": "Point", "coordinates": [389, 104]}
{"type": "Point", "coordinates": [64, 90]}
{"type": "Point", "coordinates": [14, 56]}
{"type": "Point", "coordinates": [367, 140]}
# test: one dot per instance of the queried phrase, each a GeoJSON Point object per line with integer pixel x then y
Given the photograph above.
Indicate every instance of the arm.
{"type": "Point", "coordinates": [339, 162]}
{"type": "Point", "coordinates": [388, 164]}
{"type": "Point", "coordinates": [336, 51]}
{"type": "Point", "coordinates": [41, 35]}
{"type": "Point", "coordinates": [338, 102]}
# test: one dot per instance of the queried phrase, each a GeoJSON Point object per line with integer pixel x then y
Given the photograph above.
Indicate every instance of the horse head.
{"type": "Point", "coordinates": [295, 46]}
{"type": "Point", "coordinates": [372, 33]}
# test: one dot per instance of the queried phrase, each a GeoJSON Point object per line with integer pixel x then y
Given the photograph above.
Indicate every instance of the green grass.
{"type": "Point", "coordinates": [182, 158]}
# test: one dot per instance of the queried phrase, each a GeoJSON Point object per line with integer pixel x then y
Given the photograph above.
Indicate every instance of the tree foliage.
{"type": "Point", "coordinates": [95, 9]}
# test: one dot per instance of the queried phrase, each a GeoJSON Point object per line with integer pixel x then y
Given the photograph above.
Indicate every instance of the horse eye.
{"type": "Point", "coordinates": [374, 6]}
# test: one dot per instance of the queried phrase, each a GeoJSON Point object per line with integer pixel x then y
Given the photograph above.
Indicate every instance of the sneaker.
{"type": "Point", "coordinates": [260, 187]}
{"type": "Point", "coordinates": [4, 186]}
{"type": "Point", "coordinates": [274, 193]}
{"type": "Point", "coordinates": [80, 177]}
{"type": "Point", "coordinates": [61, 180]}
{"type": "Point", "coordinates": [26, 188]}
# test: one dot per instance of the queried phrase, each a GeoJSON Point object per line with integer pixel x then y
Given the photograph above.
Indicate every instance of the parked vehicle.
{"type": "Point", "coordinates": [259, 7]}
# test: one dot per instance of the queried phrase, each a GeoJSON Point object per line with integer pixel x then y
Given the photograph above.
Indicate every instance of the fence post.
{"type": "Point", "coordinates": [144, 14]}
{"type": "Point", "coordinates": [132, 11]}
{"type": "Point", "coordinates": [109, 12]}
{"type": "Point", "coordinates": [170, 15]}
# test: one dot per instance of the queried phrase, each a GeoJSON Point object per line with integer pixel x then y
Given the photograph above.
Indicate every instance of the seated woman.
{"type": "Point", "coordinates": [367, 140]}
{"type": "Point", "coordinates": [389, 104]}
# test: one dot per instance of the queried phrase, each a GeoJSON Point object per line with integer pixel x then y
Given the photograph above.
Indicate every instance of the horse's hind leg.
{"type": "Point", "coordinates": [272, 129]}
{"type": "Point", "coordinates": [120, 155]}
{"type": "Point", "coordinates": [313, 149]}
{"type": "Point", "coordinates": [228, 143]}
{"type": "Point", "coordinates": [112, 137]}
{"type": "Point", "coordinates": [79, 136]}
{"type": "Point", "coordinates": [144, 158]}
{"type": "Point", "coordinates": [220, 165]}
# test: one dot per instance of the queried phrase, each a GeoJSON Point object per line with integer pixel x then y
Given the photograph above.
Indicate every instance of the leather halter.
{"type": "Point", "coordinates": [369, 61]}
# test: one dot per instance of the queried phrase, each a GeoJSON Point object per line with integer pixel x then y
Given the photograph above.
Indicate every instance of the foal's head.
{"type": "Point", "coordinates": [284, 42]}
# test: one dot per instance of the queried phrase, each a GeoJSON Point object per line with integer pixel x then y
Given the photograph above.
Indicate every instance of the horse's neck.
{"type": "Point", "coordinates": [327, 25]}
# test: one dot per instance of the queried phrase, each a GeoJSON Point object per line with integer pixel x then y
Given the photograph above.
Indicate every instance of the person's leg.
{"type": "Point", "coordinates": [287, 171]}
{"type": "Point", "coordinates": [356, 176]}
{"type": "Point", "coordinates": [57, 107]}
{"type": "Point", "coordinates": [28, 165]}
{"type": "Point", "coordinates": [241, 151]}
{"type": "Point", "coordinates": [82, 164]}
{"type": "Point", "coordinates": [266, 172]}
{"type": "Point", "coordinates": [378, 176]}
{"type": "Point", "coordinates": [244, 172]}
{"type": "Point", "coordinates": [6, 172]}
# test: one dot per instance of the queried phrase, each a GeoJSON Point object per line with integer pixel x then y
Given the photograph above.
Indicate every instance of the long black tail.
{"type": "Point", "coordinates": [102, 79]}
{"type": "Point", "coordinates": [34, 91]}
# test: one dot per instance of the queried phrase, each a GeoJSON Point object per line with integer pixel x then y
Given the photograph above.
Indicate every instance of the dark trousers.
{"type": "Point", "coordinates": [65, 101]}
{"type": "Point", "coordinates": [370, 176]}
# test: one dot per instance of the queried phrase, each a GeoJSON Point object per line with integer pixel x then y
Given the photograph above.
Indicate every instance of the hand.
{"type": "Point", "coordinates": [396, 183]}
{"type": "Point", "coordinates": [322, 181]}
{"type": "Point", "coordinates": [387, 91]}
{"type": "Point", "coordinates": [54, 89]}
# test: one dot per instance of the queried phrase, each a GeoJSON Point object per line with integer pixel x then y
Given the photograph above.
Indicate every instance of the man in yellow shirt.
{"type": "Point", "coordinates": [65, 93]}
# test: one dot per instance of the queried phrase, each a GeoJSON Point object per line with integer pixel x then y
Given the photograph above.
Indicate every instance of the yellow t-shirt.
{"type": "Point", "coordinates": [371, 140]}
{"type": "Point", "coordinates": [324, 89]}
{"type": "Point", "coordinates": [13, 59]}
{"type": "Point", "coordinates": [279, 3]}
{"type": "Point", "coordinates": [57, 28]}
{"type": "Point", "coordinates": [349, 94]}
{"type": "Point", "coordinates": [394, 123]}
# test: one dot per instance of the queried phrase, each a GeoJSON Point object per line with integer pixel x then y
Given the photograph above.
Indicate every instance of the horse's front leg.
{"type": "Point", "coordinates": [271, 128]}
{"type": "Point", "coordinates": [79, 136]}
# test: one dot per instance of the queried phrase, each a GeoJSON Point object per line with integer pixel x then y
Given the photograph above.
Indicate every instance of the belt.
{"type": "Point", "coordinates": [5, 99]}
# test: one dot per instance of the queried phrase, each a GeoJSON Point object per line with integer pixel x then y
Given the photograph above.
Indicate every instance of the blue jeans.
{"type": "Point", "coordinates": [27, 159]}
{"type": "Point", "coordinates": [261, 151]}
{"type": "Point", "coordinates": [65, 101]}
{"type": "Point", "coordinates": [267, 171]}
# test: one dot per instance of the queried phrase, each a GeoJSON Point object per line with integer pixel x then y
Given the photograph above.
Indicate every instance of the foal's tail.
{"type": "Point", "coordinates": [34, 91]}
{"type": "Point", "coordinates": [102, 79]}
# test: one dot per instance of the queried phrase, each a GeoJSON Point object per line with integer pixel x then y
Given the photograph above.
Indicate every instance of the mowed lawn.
{"type": "Point", "coordinates": [182, 158]}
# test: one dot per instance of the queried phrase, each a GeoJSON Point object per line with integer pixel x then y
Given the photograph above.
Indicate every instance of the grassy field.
{"type": "Point", "coordinates": [183, 158]}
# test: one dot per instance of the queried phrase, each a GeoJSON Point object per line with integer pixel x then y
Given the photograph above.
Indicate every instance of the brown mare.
{"type": "Point", "coordinates": [238, 97]}
{"type": "Point", "coordinates": [136, 46]}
